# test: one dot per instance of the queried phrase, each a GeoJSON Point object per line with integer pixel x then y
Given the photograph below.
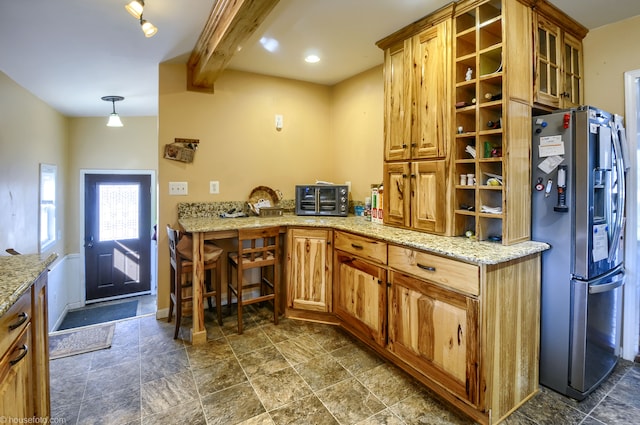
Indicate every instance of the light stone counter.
{"type": "Point", "coordinates": [460, 248]}
{"type": "Point", "coordinates": [17, 274]}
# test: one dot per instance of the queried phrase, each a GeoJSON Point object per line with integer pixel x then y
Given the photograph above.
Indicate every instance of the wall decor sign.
{"type": "Point", "coordinates": [181, 149]}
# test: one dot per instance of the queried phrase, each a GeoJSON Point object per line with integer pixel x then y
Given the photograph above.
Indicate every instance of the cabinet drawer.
{"type": "Point", "coordinates": [454, 274]}
{"type": "Point", "coordinates": [15, 317]}
{"type": "Point", "coordinates": [364, 247]}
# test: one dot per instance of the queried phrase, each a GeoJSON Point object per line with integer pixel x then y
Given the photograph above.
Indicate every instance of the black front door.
{"type": "Point", "coordinates": [117, 235]}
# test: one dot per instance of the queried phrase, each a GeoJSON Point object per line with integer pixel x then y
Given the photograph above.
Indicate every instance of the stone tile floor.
{"type": "Point", "coordinates": [293, 373]}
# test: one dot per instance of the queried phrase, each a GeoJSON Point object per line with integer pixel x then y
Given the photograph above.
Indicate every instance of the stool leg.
{"type": "Point", "coordinates": [208, 286]}
{"type": "Point", "coordinates": [172, 286]}
{"type": "Point", "coordinates": [239, 297]}
{"type": "Point", "coordinates": [229, 284]}
{"type": "Point", "coordinates": [178, 306]}
{"type": "Point", "coordinates": [219, 289]}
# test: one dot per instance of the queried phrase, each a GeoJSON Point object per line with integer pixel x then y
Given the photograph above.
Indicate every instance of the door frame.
{"type": "Point", "coordinates": [153, 253]}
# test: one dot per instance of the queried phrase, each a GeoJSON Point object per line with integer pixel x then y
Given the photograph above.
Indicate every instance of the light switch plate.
{"type": "Point", "coordinates": [178, 188]}
{"type": "Point", "coordinates": [214, 187]}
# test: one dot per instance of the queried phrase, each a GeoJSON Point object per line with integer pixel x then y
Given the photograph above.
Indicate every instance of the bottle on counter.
{"type": "Point", "coordinates": [367, 208]}
{"type": "Point", "coordinates": [492, 96]}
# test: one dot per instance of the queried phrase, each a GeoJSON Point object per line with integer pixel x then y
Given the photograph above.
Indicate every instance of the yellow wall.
{"type": "Point", "coordinates": [610, 51]}
{"type": "Point", "coordinates": [324, 128]}
{"type": "Point", "coordinates": [94, 146]}
{"type": "Point", "coordinates": [31, 132]}
{"type": "Point", "coordinates": [357, 131]}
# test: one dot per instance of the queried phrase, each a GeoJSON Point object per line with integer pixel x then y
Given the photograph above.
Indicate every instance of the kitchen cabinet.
{"type": "Point", "coordinates": [40, 344]}
{"type": "Point", "coordinates": [361, 286]}
{"type": "Point", "coordinates": [558, 59]}
{"type": "Point", "coordinates": [309, 266]}
{"type": "Point", "coordinates": [414, 194]}
{"type": "Point", "coordinates": [416, 124]}
{"type": "Point", "coordinates": [17, 373]}
{"type": "Point", "coordinates": [492, 81]}
{"type": "Point", "coordinates": [433, 318]}
{"type": "Point", "coordinates": [435, 330]}
{"type": "Point", "coordinates": [470, 332]}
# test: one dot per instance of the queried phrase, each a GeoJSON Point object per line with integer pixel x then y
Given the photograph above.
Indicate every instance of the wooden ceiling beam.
{"type": "Point", "coordinates": [230, 24]}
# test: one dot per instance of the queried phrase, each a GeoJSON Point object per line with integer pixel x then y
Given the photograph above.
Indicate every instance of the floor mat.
{"type": "Point", "coordinates": [78, 341]}
{"type": "Point", "coordinates": [93, 315]}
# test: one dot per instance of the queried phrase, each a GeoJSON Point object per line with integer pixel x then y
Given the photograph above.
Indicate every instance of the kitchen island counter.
{"type": "Point", "coordinates": [459, 248]}
{"type": "Point", "coordinates": [17, 274]}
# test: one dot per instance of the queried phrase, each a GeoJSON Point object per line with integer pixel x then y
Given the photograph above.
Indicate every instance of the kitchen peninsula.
{"type": "Point", "coordinates": [459, 315]}
{"type": "Point", "coordinates": [24, 342]}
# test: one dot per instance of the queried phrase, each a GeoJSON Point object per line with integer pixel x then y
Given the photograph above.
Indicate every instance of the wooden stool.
{"type": "Point", "coordinates": [257, 248]}
{"type": "Point", "coordinates": [180, 250]}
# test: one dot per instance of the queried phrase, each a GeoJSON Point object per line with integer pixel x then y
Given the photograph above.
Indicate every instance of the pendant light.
{"type": "Point", "coordinates": [114, 118]}
{"type": "Point", "coordinates": [148, 28]}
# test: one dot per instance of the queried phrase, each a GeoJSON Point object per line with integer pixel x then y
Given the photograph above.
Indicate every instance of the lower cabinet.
{"type": "Point", "coordinates": [16, 380]}
{"type": "Point", "coordinates": [24, 357]}
{"type": "Point", "coordinates": [309, 268]}
{"type": "Point", "coordinates": [470, 332]}
{"type": "Point", "coordinates": [361, 297]}
{"type": "Point", "coordinates": [435, 331]}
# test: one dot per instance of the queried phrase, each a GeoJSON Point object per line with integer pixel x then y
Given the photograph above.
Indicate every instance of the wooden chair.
{"type": "Point", "coordinates": [257, 248]}
{"type": "Point", "coordinates": [181, 254]}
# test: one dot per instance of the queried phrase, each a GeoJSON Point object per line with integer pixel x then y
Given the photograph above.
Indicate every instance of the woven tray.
{"type": "Point", "coordinates": [262, 193]}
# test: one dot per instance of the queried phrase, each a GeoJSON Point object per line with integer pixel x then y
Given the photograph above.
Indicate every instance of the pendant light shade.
{"type": "Point", "coordinates": [114, 118]}
{"type": "Point", "coordinates": [135, 8]}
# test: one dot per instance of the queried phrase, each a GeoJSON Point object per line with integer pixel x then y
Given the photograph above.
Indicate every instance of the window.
{"type": "Point", "coordinates": [47, 206]}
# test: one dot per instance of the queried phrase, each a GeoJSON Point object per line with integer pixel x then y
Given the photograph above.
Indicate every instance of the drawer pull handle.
{"type": "Point", "coordinates": [23, 318]}
{"type": "Point", "coordinates": [356, 246]}
{"type": "Point", "coordinates": [25, 350]}
{"type": "Point", "coordinates": [427, 268]}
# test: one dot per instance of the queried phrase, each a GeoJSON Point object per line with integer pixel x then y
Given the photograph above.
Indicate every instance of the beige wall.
{"type": "Point", "coordinates": [357, 131]}
{"type": "Point", "coordinates": [609, 52]}
{"type": "Point", "coordinates": [324, 128]}
{"type": "Point", "coordinates": [31, 132]}
{"type": "Point", "coordinates": [94, 146]}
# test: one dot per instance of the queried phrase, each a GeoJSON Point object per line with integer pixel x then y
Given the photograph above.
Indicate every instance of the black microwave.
{"type": "Point", "coordinates": [322, 199]}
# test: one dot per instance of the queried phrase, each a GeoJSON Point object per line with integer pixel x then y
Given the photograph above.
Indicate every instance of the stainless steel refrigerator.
{"type": "Point", "coordinates": [578, 174]}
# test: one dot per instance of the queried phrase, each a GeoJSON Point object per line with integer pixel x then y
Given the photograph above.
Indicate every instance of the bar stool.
{"type": "Point", "coordinates": [257, 248]}
{"type": "Point", "coordinates": [181, 255]}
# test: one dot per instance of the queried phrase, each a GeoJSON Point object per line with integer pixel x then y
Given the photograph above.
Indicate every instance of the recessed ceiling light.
{"type": "Point", "coordinates": [312, 59]}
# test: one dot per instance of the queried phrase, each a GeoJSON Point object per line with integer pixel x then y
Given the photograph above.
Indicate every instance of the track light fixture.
{"type": "Point", "coordinates": [148, 28]}
{"type": "Point", "coordinates": [135, 8]}
{"type": "Point", "coordinates": [114, 118]}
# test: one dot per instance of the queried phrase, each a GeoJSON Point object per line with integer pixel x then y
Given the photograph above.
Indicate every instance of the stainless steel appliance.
{"type": "Point", "coordinates": [578, 208]}
{"type": "Point", "coordinates": [322, 199]}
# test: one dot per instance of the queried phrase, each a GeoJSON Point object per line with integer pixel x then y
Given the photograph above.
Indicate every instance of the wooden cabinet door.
{"type": "Point", "coordinates": [428, 196]}
{"type": "Point", "coordinates": [397, 197]}
{"type": "Point", "coordinates": [360, 299]}
{"type": "Point", "coordinates": [397, 103]}
{"type": "Point", "coordinates": [16, 379]}
{"type": "Point", "coordinates": [548, 63]}
{"type": "Point", "coordinates": [309, 262]}
{"type": "Point", "coordinates": [435, 330]}
{"type": "Point", "coordinates": [41, 347]}
{"type": "Point", "coordinates": [572, 72]}
{"type": "Point", "coordinates": [432, 126]}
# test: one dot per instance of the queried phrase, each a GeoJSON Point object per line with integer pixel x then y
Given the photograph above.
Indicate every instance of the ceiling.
{"type": "Point", "coordinates": [70, 53]}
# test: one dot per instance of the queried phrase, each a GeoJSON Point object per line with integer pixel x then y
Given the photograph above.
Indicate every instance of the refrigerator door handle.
{"type": "Point", "coordinates": [613, 248]}
{"type": "Point", "coordinates": [609, 286]}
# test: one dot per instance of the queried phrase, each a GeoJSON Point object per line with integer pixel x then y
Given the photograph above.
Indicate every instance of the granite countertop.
{"type": "Point", "coordinates": [460, 248]}
{"type": "Point", "coordinates": [17, 274]}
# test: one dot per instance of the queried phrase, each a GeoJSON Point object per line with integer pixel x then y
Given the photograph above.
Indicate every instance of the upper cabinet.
{"type": "Point", "coordinates": [558, 59]}
{"type": "Point", "coordinates": [417, 123]}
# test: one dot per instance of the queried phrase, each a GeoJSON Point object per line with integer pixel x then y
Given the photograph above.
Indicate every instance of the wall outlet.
{"type": "Point", "coordinates": [178, 188]}
{"type": "Point", "coordinates": [214, 187]}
